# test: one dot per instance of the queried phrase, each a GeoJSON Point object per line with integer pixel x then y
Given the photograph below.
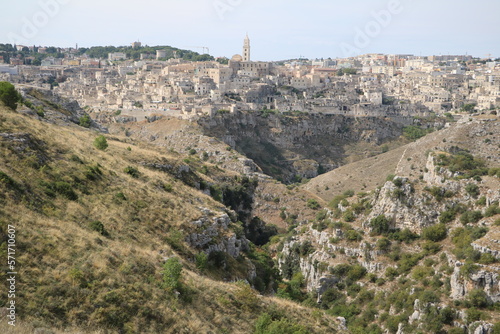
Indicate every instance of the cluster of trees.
{"type": "Point", "coordinates": [9, 51]}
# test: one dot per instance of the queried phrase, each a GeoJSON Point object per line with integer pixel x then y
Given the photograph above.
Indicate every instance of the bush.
{"type": "Point", "coordinates": [172, 273]}
{"type": "Point", "coordinates": [201, 261]}
{"type": "Point", "coordinates": [101, 143]}
{"type": "Point", "coordinates": [461, 161]}
{"type": "Point", "coordinates": [9, 95]}
{"type": "Point", "coordinates": [404, 235]}
{"type": "Point", "coordinates": [471, 217]}
{"type": "Point", "coordinates": [334, 203]}
{"type": "Point", "coordinates": [472, 315]}
{"type": "Point", "coordinates": [64, 189]}
{"type": "Point", "coordinates": [356, 272]}
{"type": "Point", "coordinates": [380, 225]}
{"type": "Point", "coordinates": [398, 182]}
{"type": "Point", "coordinates": [472, 189]}
{"type": "Point", "coordinates": [492, 210]}
{"type": "Point", "coordinates": [383, 244]}
{"type": "Point", "coordinates": [132, 171]}
{"type": "Point", "coordinates": [349, 216]}
{"type": "Point", "coordinates": [353, 235]}
{"type": "Point", "coordinates": [313, 204]}
{"type": "Point", "coordinates": [348, 193]}
{"type": "Point", "coordinates": [413, 132]}
{"type": "Point", "coordinates": [85, 121]}
{"type": "Point", "coordinates": [98, 227]}
{"type": "Point", "coordinates": [434, 233]}
{"type": "Point", "coordinates": [478, 298]}
{"type": "Point", "coordinates": [265, 324]}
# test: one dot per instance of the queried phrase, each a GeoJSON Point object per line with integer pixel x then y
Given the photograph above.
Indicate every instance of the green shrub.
{"type": "Point", "coordinates": [398, 182]}
{"type": "Point", "coordinates": [98, 227]}
{"type": "Point", "coordinates": [413, 132]}
{"type": "Point", "coordinates": [348, 193]}
{"type": "Point", "coordinates": [174, 239]}
{"type": "Point", "coordinates": [132, 171]}
{"type": "Point", "coordinates": [201, 260]}
{"type": "Point", "coordinates": [471, 217]}
{"type": "Point", "coordinates": [64, 189]}
{"type": "Point", "coordinates": [481, 201]}
{"type": "Point", "coordinates": [478, 298]}
{"type": "Point", "coordinates": [472, 189]}
{"type": "Point", "coordinates": [492, 210]}
{"type": "Point", "coordinates": [265, 324]}
{"type": "Point", "coordinates": [434, 233]}
{"type": "Point", "coordinates": [383, 244]}
{"type": "Point", "coordinates": [356, 272]}
{"type": "Point", "coordinates": [419, 273]}
{"type": "Point", "coordinates": [431, 247]}
{"type": "Point", "coordinates": [349, 216]}
{"type": "Point", "coordinates": [494, 172]}
{"type": "Point", "coordinates": [379, 225]}
{"type": "Point", "coordinates": [40, 111]}
{"type": "Point", "coordinates": [487, 258]}
{"type": "Point", "coordinates": [472, 315]}
{"type": "Point", "coordinates": [120, 196]}
{"type": "Point", "coordinates": [313, 204]}
{"type": "Point", "coordinates": [85, 121]}
{"type": "Point", "coordinates": [100, 143]}
{"type": "Point", "coordinates": [353, 235]}
{"type": "Point", "coordinates": [404, 235]}
{"type": "Point", "coordinates": [334, 203]}
{"type": "Point", "coordinates": [8, 181]}
{"type": "Point", "coordinates": [9, 95]}
{"type": "Point", "coordinates": [462, 162]}
{"type": "Point", "coordinates": [172, 270]}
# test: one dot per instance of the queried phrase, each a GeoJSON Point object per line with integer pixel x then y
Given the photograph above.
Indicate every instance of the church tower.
{"type": "Point", "coordinates": [246, 49]}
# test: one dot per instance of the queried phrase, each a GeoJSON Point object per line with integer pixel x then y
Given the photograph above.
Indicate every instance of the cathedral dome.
{"type": "Point", "coordinates": [237, 58]}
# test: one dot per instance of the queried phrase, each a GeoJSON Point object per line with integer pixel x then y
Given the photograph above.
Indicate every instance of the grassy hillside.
{"type": "Point", "coordinates": [476, 135]}
{"type": "Point", "coordinates": [95, 227]}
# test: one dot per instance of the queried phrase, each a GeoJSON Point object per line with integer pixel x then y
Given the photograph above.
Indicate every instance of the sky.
{"type": "Point", "coordinates": [278, 29]}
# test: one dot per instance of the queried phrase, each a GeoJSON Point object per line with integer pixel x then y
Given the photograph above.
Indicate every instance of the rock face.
{"type": "Point", "coordinates": [482, 279]}
{"type": "Point", "coordinates": [397, 201]}
{"type": "Point", "coordinates": [213, 235]}
{"type": "Point", "coordinates": [299, 144]}
{"type": "Point", "coordinates": [56, 108]}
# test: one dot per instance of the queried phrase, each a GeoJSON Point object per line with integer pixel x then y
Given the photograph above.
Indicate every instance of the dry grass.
{"type": "Point", "coordinates": [409, 160]}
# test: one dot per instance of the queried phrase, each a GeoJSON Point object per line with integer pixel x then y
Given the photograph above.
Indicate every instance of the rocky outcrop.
{"type": "Point", "coordinates": [213, 235]}
{"type": "Point", "coordinates": [56, 108]}
{"type": "Point", "coordinates": [483, 249]}
{"type": "Point", "coordinates": [405, 209]}
{"type": "Point", "coordinates": [483, 279]}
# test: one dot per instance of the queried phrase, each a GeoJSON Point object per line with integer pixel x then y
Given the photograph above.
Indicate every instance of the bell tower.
{"type": "Point", "coordinates": [246, 49]}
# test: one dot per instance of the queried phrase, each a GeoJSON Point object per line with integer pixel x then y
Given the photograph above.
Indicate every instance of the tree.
{"type": "Point", "coordinates": [9, 95]}
{"type": "Point", "coordinates": [172, 273]}
{"type": "Point", "coordinates": [435, 232]}
{"type": "Point", "coordinates": [101, 143]}
{"type": "Point", "coordinates": [380, 225]}
{"type": "Point", "coordinates": [85, 121]}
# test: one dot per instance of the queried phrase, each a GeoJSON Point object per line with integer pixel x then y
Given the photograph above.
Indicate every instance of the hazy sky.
{"type": "Point", "coordinates": [278, 29]}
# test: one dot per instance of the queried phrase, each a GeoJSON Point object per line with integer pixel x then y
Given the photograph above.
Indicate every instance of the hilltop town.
{"type": "Point", "coordinates": [166, 84]}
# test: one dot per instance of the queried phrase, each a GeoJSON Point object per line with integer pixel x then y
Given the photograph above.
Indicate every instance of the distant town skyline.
{"type": "Point", "coordinates": [278, 30]}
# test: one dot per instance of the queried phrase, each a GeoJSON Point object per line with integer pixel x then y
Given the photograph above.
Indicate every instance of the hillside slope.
{"type": "Point", "coordinates": [97, 229]}
{"type": "Point", "coordinates": [477, 135]}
